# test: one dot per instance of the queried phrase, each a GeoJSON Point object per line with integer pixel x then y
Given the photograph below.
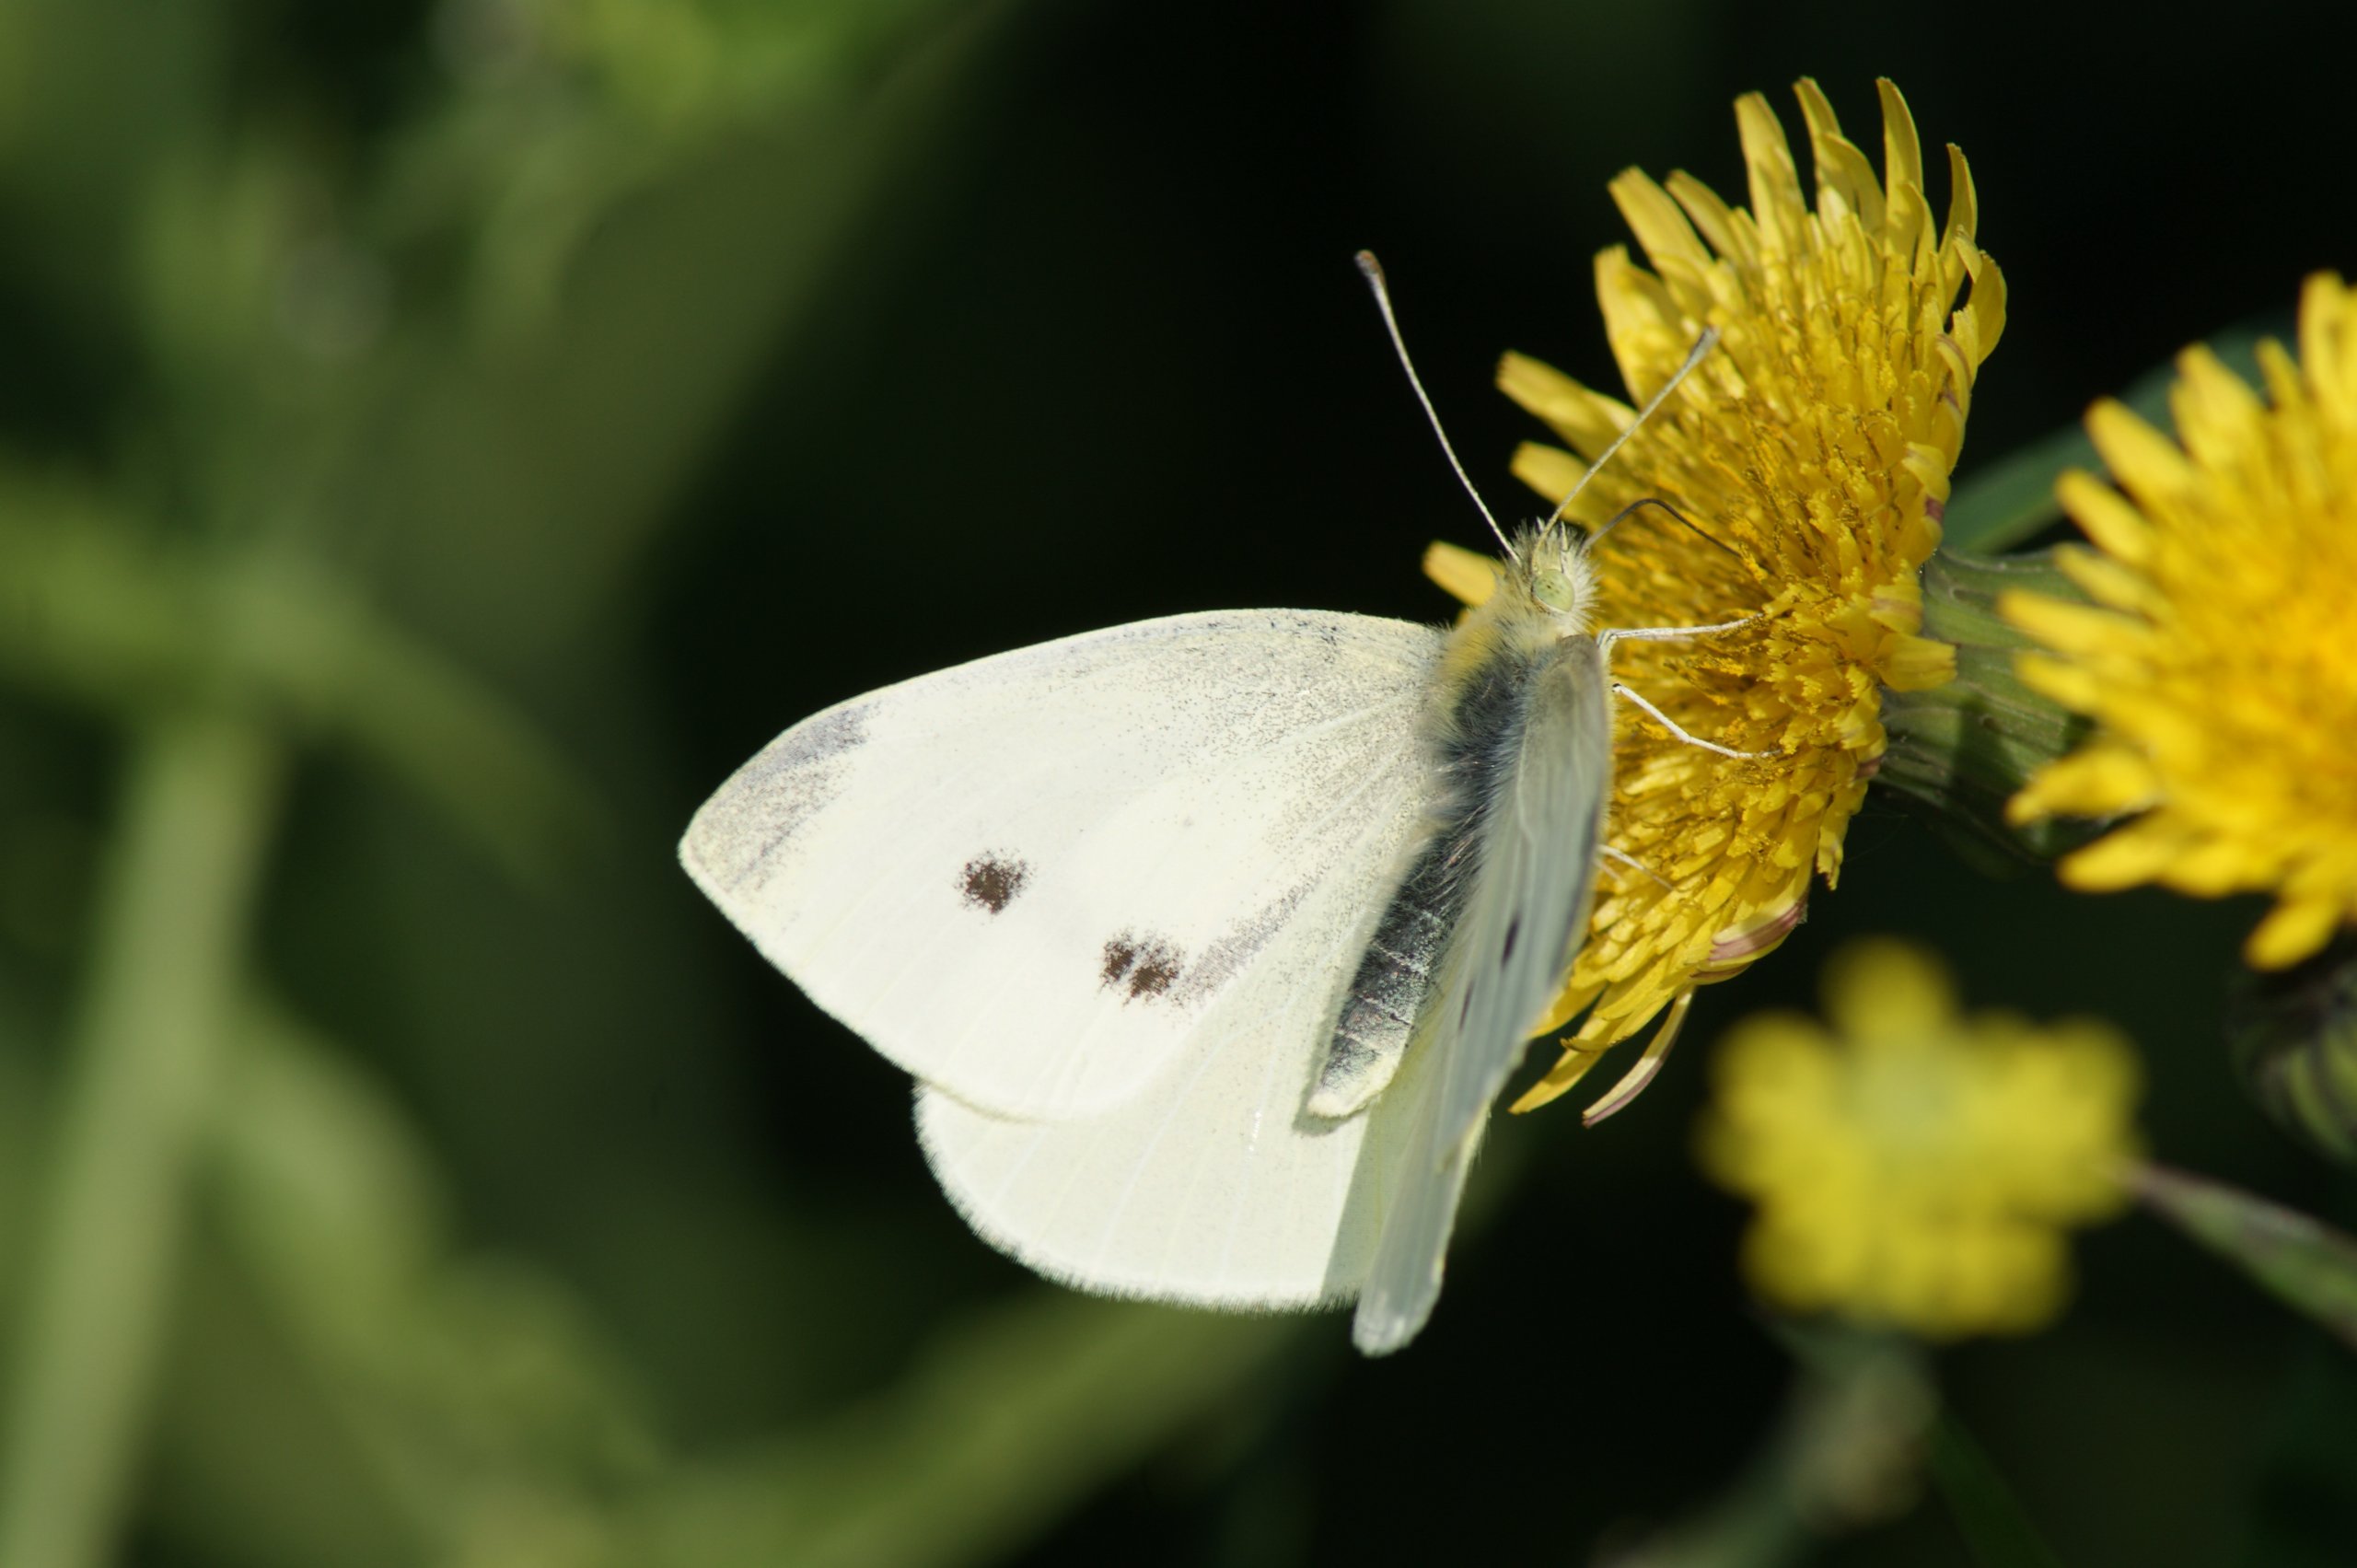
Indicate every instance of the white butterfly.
{"type": "Point", "coordinates": [1209, 940]}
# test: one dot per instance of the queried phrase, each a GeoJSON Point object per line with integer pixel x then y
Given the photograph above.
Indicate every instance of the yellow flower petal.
{"type": "Point", "coordinates": [1578, 416]}
{"type": "Point", "coordinates": [2111, 584]}
{"type": "Point", "coordinates": [2211, 407]}
{"type": "Point", "coordinates": [2293, 931]}
{"type": "Point", "coordinates": [1845, 181]}
{"type": "Point", "coordinates": [2099, 781]}
{"type": "Point", "coordinates": [2144, 460]}
{"type": "Point", "coordinates": [1668, 239]}
{"type": "Point", "coordinates": [1467, 575]}
{"type": "Point", "coordinates": [2071, 628]}
{"type": "Point", "coordinates": [2141, 851]}
{"type": "Point", "coordinates": [1549, 471]}
{"type": "Point", "coordinates": [1878, 991]}
{"type": "Point", "coordinates": [2107, 517]}
{"type": "Point", "coordinates": [2067, 683]}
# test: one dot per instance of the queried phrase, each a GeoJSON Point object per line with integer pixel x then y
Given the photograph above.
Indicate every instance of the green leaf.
{"type": "Point", "coordinates": [2307, 1264]}
{"type": "Point", "coordinates": [633, 313]}
{"type": "Point", "coordinates": [2011, 500]}
{"type": "Point", "coordinates": [443, 1394]}
{"type": "Point", "coordinates": [101, 612]}
{"type": "Point", "coordinates": [2303, 1490]}
{"type": "Point", "coordinates": [329, 1199]}
{"type": "Point", "coordinates": [1013, 1417]}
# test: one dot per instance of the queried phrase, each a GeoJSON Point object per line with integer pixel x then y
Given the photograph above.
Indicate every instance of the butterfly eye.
{"type": "Point", "coordinates": [1555, 590]}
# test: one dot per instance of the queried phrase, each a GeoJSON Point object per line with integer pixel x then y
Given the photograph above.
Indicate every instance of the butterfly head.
{"type": "Point", "coordinates": [1554, 570]}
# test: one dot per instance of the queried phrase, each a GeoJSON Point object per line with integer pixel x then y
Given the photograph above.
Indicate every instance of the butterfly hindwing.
{"type": "Point", "coordinates": [1218, 1187]}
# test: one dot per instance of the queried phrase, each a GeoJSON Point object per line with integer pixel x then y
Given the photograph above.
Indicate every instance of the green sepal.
{"type": "Point", "coordinates": [1963, 749]}
{"type": "Point", "coordinates": [2294, 1039]}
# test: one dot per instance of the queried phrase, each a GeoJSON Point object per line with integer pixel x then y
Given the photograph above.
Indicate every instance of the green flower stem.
{"type": "Point", "coordinates": [2310, 1266]}
{"type": "Point", "coordinates": [1844, 1456]}
{"type": "Point", "coordinates": [168, 951]}
{"type": "Point", "coordinates": [1964, 749]}
{"type": "Point", "coordinates": [1988, 1514]}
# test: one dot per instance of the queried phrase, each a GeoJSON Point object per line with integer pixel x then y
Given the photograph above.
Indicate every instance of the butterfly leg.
{"type": "Point", "coordinates": [1679, 730]}
{"type": "Point", "coordinates": [1631, 860]}
{"type": "Point", "coordinates": [1604, 640]}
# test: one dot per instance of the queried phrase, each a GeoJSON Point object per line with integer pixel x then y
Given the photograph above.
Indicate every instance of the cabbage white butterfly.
{"type": "Point", "coordinates": [1209, 940]}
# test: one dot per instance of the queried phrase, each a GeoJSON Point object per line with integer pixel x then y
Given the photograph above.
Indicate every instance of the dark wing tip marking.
{"type": "Point", "coordinates": [769, 800]}
{"type": "Point", "coordinates": [991, 880]}
{"type": "Point", "coordinates": [1513, 931]}
{"type": "Point", "coordinates": [1143, 967]}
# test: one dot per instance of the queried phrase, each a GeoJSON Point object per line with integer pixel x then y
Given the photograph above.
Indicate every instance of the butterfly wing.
{"type": "Point", "coordinates": [1040, 882]}
{"type": "Point", "coordinates": [1532, 846]}
{"type": "Point", "coordinates": [1218, 1187]}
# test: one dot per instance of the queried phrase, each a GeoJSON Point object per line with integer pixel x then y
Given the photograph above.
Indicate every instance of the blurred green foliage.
{"type": "Point", "coordinates": [438, 440]}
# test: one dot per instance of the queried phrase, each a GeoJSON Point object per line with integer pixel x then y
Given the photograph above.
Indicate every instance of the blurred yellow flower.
{"type": "Point", "coordinates": [1913, 1167]}
{"type": "Point", "coordinates": [1810, 452]}
{"type": "Point", "coordinates": [2217, 658]}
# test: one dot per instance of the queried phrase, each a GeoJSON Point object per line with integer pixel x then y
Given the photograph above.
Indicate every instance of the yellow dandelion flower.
{"type": "Point", "coordinates": [1810, 454]}
{"type": "Point", "coordinates": [2216, 658]}
{"type": "Point", "coordinates": [1913, 1167]}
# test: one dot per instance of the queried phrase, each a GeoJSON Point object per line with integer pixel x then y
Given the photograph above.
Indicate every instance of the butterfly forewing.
{"type": "Point", "coordinates": [1040, 882]}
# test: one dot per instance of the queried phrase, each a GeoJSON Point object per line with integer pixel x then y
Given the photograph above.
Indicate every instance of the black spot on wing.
{"type": "Point", "coordinates": [1143, 967]}
{"type": "Point", "coordinates": [991, 880]}
{"type": "Point", "coordinates": [1120, 957]}
{"type": "Point", "coordinates": [1513, 930]}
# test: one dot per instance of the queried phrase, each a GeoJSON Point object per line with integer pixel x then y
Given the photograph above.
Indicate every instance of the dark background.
{"type": "Point", "coordinates": [981, 325]}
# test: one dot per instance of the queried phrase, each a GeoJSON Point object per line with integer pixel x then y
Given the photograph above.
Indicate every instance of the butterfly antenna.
{"type": "Point", "coordinates": [1676, 516]}
{"type": "Point", "coordinates": [1371, 270]}
{"type": "Point", "coordinates": [1702, 345]}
